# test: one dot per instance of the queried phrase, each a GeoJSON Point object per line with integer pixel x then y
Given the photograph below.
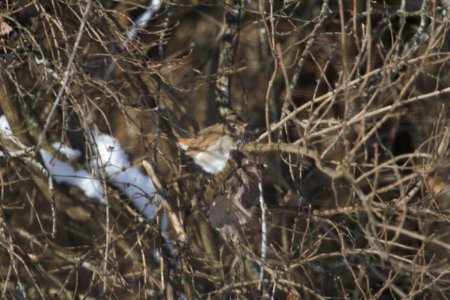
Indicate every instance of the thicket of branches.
{"type": "Point", "coordinates": [347, 104]}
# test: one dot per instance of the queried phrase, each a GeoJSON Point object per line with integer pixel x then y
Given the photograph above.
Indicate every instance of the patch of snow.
{"type": "Point", "coordinates": [4, 125]}
{"type": "Point", "coordinates": [63, 172]}
{"type": "Point", "coordinates": [72, 154]}
{"type": "Point", "coordinates": [129, 179]}
{"type": "Point", "coordinates": [113, 160]}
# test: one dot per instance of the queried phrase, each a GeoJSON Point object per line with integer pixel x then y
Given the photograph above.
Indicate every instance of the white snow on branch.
{"type": "Point", "coordinates": [129, 179]}
{"type": "Point", "coordinates": [112, 160]}
{"type": "Point", "coordinates": [152, 8]}
{"type": "Point", "coordinates": [4, 125]}
{"type": "Point", "coordinates": [72, 154]}
{"type": "Point", "coordinates": [64, 173]}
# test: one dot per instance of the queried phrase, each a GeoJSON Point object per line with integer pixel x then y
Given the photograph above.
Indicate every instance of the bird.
{"type": "Point", "coordinates": [211, 147]}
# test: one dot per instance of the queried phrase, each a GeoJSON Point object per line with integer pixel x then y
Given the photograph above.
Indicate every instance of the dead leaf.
{"type": "Point", "coordinates": [235, 206]}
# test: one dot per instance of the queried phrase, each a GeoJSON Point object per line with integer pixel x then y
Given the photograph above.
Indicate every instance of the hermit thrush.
{"type": "Point", "coordinates": [211, 147]}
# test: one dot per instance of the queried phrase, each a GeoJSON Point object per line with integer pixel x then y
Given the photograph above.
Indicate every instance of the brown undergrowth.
{"type": "Point", "coordinates": [347, 106]}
